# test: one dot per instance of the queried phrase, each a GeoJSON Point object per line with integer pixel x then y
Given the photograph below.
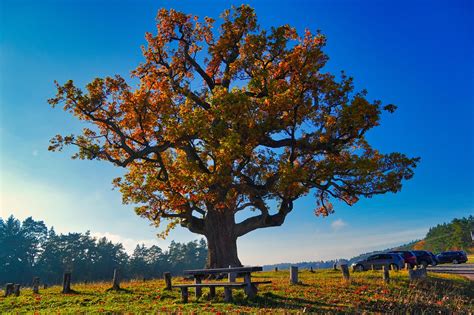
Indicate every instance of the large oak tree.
{"type": "Point", "coordinates": [231, 120]}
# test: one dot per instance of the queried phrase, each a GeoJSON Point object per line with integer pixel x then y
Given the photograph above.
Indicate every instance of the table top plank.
{"type": "Point", "coordinates": [222, 270]}
{"type": "Point", "coordinates": [219, 284]}
{"type": "Point", "coordinates": [207, 285]}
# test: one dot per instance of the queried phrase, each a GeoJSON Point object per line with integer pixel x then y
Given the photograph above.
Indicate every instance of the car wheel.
{"type": "Point", "coordinates": [455, 261]}
{"type": "Point", "coordinates": [359, 268]}
{"type": "Point", "coordinates": [394, 267]}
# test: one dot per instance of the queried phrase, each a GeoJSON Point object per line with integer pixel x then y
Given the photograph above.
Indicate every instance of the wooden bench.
{"type": "Point", "coordinates": [198, 274]}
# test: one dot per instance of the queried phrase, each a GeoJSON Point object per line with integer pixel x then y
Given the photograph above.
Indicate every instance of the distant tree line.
{"type": "Point", "coordinates": [302, 265]}
{"type": "Point", "coordinates": [29, 249]}
{"type": "Point", "coordinates": [455, 235]}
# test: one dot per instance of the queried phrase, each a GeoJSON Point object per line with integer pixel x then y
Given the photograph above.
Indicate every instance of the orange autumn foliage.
{"type": "Point", "coordinates": [228, 120]}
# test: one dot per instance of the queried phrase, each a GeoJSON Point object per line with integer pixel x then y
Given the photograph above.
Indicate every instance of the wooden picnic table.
{"type": "Point", "coordinates": [232, 272]}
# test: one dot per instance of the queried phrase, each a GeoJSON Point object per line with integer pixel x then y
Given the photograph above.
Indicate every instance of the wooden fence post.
{"type": "Point", "coordinates": [36, 282]}
{"type": "Point", "coordinates": [8, 289]}
{"type": "Point", "coordinates": [276, 269]}
{"type": "Point", "coordinates": [334, 266]}
{"type": "Point", "coordinates": [311, 269]}
{"type": "Point", "coordinates": [167, 276]}
{"type": "Point", "coordinates": [16, 289]}
{"type": "Point", "coordinates": [345, 271]}
{"type": "Point", "coordinates": [67, 283]}
{"type": "Point", "coordinates": [115, 281]}
{"type": "Point", "coordinates": [293, 275]}
{"type": "Point", "coordinates": [386, 274]}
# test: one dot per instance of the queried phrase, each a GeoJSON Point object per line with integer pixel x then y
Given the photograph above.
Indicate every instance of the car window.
{"type": "Point", "coordinates": [373, 257]}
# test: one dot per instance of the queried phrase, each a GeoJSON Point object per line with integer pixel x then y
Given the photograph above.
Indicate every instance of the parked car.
{"type": "Point", "coordinates": [425, 258]}
{"type": "Point", "coordinates": [408, 256]}
{"type": "Point", "coordinates": [455, 257]}
{"type": "Point", "coordinates": [394, 261]}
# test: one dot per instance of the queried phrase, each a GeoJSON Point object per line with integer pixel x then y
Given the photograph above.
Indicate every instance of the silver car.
{"type": "Point", "coordinates": [377, 261]}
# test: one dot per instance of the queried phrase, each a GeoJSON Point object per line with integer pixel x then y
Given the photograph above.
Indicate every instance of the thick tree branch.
{"type": "Point", "coordinates": [264, 220]}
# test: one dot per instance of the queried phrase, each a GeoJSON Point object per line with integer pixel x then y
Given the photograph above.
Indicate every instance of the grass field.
{"type": "Point", "coordinates": [470, 259]}
{"type": "Point", "coordinates": [321, 291]}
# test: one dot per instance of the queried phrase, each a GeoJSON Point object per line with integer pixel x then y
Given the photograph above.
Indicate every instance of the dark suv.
{"type": "Point", "coordinates": [408, 256]}
{"type": "Point", "coordinates": [455, 257]}
{"type": "Point", "coordinates": [425, 258]}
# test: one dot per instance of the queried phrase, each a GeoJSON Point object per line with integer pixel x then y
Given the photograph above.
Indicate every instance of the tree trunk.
{"type": "Point", "coordinates": [221, 240]}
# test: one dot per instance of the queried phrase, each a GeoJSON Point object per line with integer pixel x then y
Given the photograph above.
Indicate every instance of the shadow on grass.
{"type": "Point", "coordinates": [119, 290]}
{"type": "Point", "coordinates": [272, 300]}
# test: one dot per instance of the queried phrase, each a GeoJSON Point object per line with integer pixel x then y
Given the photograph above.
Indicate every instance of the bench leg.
{"type": "Point", "coordinates": [212, 292]}
{"type": "Point", "coordinates": [184, 294]}
{"type": "Point", "coordinates": [197, 280]}
{"type": "Point", "coordinates": [251, 291]}
{"type": "Point", "coordinates": [227, 294]}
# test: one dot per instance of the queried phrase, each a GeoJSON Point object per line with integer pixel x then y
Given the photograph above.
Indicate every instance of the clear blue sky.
{"type": "Point", "coordinates": [415, 54]}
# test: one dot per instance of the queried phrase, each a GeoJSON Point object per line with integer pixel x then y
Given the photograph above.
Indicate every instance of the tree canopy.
{"type": "Point", "coordinates": [225, 121]}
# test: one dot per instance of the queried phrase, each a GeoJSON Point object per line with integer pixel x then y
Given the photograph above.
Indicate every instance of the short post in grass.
{"type": "Point", "coordinates": [345, 272]}
{"type": "Point", "coordinates": [386, 274]}
{"type": "Point", "coordinates": [9, 289]}
{"type": "Point", "coordinates": [67, 283]}
{"type": "Point", "coordinates": [293, 275]}
{"type": "Point", "coordinates": [276, 269]}
{"type": "Point", "coordinates": [334, 266]}
{"type": "Point", "coordinates": [311, 269]}
{"type": "Point", "coordinates": [408, 266]}
{"type": "Point", "coordinates": [167, 276]}
{"type": "Point", "coordinates": [36, 282]}
{"type": "Point", "coordinates": [115, 280]}
{"type": "Point", "coordinates": [16, 289]}
{"type": "Point", "coordinates": [417, 274]}
{"type": "Point", "coordinates": [372, 267]}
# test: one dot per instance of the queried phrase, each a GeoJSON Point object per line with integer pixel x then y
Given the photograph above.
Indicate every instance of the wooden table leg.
{"type": "Point", "coordinates": [197, 280]}
{"type": "Point", "coordinates": [212, 292]}
{"type": "Point", "coordinates": [227, 294]}
{"type": "Point", "coordinates": [250, 289]}
{"type": "Point", "coordinates": [184, 294]}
